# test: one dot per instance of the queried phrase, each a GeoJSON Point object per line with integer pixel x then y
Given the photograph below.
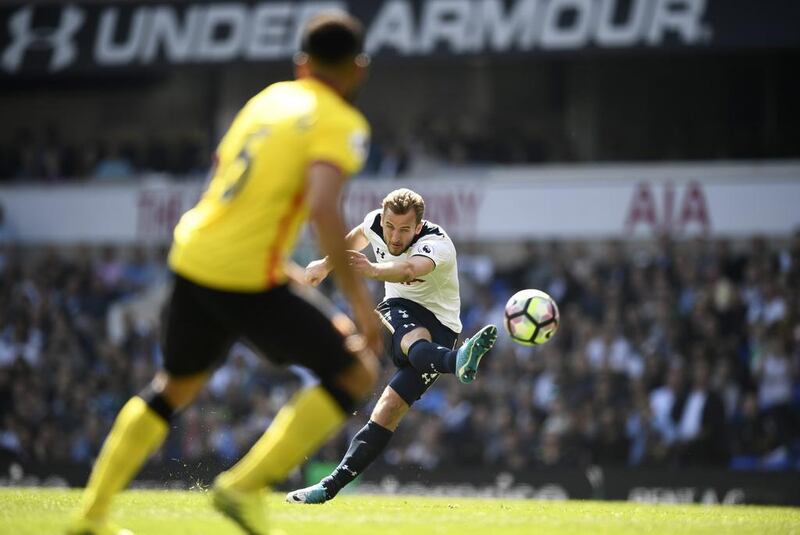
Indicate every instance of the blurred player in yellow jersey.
{"type": "Point", "coordinates": [284, 159]}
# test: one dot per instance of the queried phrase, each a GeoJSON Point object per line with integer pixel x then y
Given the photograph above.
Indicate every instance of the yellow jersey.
{"type": "Point", "coordinates": [238, 235]}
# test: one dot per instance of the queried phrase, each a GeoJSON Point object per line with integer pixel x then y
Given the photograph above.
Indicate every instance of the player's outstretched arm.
{"type": "Point", "coordinates": [295, 272]}
{"type": "Point", "coordinates": [394, 271]}
{"type": "Point", "coordinates": [325, 183]}
{"type": "Point", "coordinates": [318, 270]}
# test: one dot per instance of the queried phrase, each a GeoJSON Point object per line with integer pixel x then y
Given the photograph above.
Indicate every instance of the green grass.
{"type": "Point", "coordinates": [38, 511]}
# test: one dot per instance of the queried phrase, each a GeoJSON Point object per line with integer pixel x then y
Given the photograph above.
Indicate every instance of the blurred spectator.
{"type": "Point", "coordinates": [8, 239]}
{"type": "Point", "coordinates": [701, 436]}
{"type": "Point", "coordinates": [140, 271]}
{"type": "Point", "coordinates": [6, 235]}
{"type": "Point", "coordinates": [662, 401]}
{"type": "Point", "coordinates": [20, 341]}
{"type": "Point", "coordinates": [112, 165]}
{"type": "Point", "coordinates": [750, 435]}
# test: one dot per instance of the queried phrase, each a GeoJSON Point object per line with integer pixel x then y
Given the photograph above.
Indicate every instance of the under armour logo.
{"type": "Point", "coordinates": [407, 325]}
{"type": "Point", "coordinates": [379, 252]}
{"type": "Point", "coordinates": [59, 39]}
{"type": "Point", "coordinates": [428, 377]}
{"type": "Point", "coordinates": [351, 472]}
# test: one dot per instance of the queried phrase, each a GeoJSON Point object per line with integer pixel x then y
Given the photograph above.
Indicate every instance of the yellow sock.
{"type": "Point", "coordinates": [299, 428]}
{"type": "Point", "coordinates": [136, 433]}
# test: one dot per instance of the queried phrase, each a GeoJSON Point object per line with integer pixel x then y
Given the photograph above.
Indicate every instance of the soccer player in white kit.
{"type": "Point", "coordinates": [417, 261]}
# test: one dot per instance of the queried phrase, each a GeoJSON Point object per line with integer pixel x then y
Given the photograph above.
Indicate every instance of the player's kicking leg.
{"type": "Point", "coordinates": [463, 362]}
{"type": "Point", "coordinates": [428, 359]}
{"type": "Point", "coordinates": [365, 447]}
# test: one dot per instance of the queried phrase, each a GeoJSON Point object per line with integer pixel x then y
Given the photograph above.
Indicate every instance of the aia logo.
{"type": "Point", "coordinates": [681, 209]}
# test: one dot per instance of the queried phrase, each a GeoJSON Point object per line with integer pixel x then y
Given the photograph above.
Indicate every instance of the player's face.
{"type": "Point", "coordinates": [399, 230]}
{"type": "Point", "coordinates": [357, 74]}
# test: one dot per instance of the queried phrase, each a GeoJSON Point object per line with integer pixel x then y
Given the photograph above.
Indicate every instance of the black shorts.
{"type": "Point", "coordinates": [200, 324]}
{"type": "Point", "coordinates": [401, 316]}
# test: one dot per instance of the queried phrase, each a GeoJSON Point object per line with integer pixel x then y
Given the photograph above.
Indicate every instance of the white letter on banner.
{"type": "Point", "coordinates": [625, 34]}
{"type": "Point", "coordinates": [683, 17]}
{"type": "Point", "coordinates": [165, 30]}
{"type": "Point", "coordinates": [446, 21]}
{"type": "Point", "coordinates": [106, 51]}
{"type": "Point", "coordinates": [503, 31]}
{"type": "Point", "coordinates": [577, 33]}
{"type": "Point", "coordinates": [227, 47]}
{"type": "Point", "coordinates": [393, 27]}
{"type": "Point", "coordinates": [269, 31]}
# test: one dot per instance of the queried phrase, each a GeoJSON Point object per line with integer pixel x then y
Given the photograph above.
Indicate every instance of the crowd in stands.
{"type": "Point", "coordinates": [436, 143]}
{"type": "Point", "coordinates": [669, 354]}
{"type": "Point", "coordinates": [45, 156]}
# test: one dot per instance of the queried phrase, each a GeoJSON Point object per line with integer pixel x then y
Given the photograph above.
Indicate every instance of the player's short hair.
{"type": "Point", "coordinates": [333, 38]}
{"type": "Point", "coordinates": [400, 201]}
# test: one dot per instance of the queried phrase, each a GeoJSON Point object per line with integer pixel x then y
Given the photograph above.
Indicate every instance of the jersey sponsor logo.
{"type": "Point", "coordinates": [25, 36]}
{"type": "Point", "coordinates": [412, 282]}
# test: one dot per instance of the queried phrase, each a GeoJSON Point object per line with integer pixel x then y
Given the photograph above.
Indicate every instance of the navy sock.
{"type": "Point", "coordinates": [428, 356]}
{"type": "Point", "coordinates": [365, 447]}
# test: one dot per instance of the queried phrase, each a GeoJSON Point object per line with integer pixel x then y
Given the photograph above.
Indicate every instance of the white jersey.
{"type": "Point", "coordinates": [438, 290]}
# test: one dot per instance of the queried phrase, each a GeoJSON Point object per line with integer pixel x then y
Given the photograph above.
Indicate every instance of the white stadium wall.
{"type": "Point", "coordinates": [495, 203]}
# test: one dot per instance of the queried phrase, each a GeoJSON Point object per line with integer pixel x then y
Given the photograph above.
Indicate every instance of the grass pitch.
{"type": "Point", "coordinates": [25, 511]}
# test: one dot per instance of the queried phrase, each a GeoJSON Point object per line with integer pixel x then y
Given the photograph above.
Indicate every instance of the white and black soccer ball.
{"type": "Point", "coordinates": [531, 317]}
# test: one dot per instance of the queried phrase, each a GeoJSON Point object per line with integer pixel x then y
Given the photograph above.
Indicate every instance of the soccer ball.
{"type": "Point", "coordinates": [531, 317]}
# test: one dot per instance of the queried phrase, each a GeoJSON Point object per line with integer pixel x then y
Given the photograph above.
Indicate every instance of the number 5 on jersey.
{"type": "Point", "coordinates": [238, 171]}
